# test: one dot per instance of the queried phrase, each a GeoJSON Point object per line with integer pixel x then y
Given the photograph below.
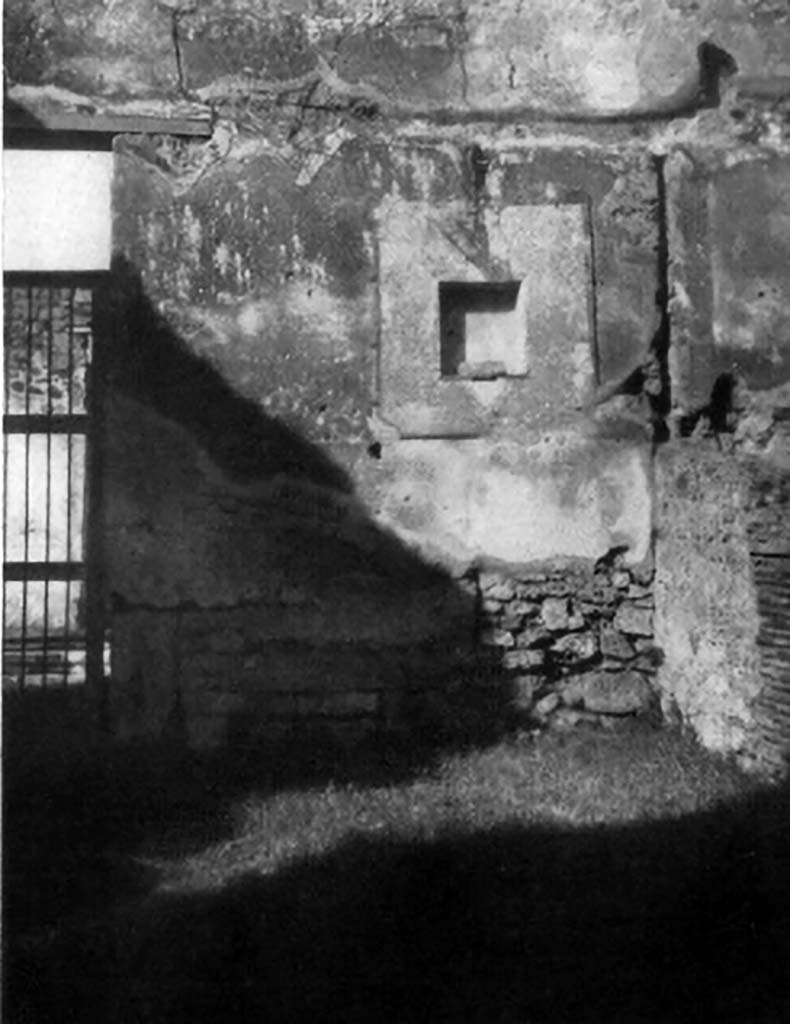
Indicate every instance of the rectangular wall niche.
{"type": "Point", "coordinates": [483, 331]}
{"type": "Point", "coordinates": [444, 328]}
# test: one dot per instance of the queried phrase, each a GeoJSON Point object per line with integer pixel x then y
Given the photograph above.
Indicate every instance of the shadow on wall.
{"type": "Point", "coordinates": [681, 920]}
{"type": "Point", "coordinates": [248, 586]}
{"type": "Point", "coordinates": [152, 366]}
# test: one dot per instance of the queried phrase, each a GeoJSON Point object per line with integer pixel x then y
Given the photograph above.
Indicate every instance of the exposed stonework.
{"type": "Point", "coordinates": [577, 631]}
{"type": "Point", "coordinates": [213, 675]}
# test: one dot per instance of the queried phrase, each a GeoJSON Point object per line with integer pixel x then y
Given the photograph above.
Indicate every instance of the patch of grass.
{"type": "Point", "coordinates": [576, 877]}
{"type": "Point", "coordinates": [565, 779]}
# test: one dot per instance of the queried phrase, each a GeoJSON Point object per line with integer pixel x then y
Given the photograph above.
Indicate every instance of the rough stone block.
{"type": "Point", "coordinates": [571, 692]}
{"type": "Point", "coordinates": [468, 587]}
{"type": "Point", "coordinates": [645, 663]}
{"type": "Point", "coordinates": [621, 579]}
{"type": "Point", "coordinates": [576, 647]}
{"type": "Point", "coordinates": [511, 621]}
{"type": "Point", "coordinates": [554, 613]}
{"type": "Point", "coordinates": [643, 573]}
{"type": "Point", "coordinates": [598, 591]}
{"type": "Point", "coordinates": [625, 693]}
{"type": "Point", "coordinates": [531, 578]}
{"type": "Point", "coordinates": [546, 705]}
{"type": "Point", "coordinates": [523, 658]}
{"type": "Point", "coordinates": [533, 636]}
{"type": "Point", "coordinates": [615, 645]}
{"type": "Point", "coordinates": [634, 621]}
{"type": "Point", "coordinates": [522, 607]}
{"type": "Point", "coordinates": [338, 705]}
{"type": "Point", "coordinates": [496, 587]}
{"type": "Point", "coordinates": [523, 692]}
{"type": "Point", "coordinates": [536, 591]}
{"type": "Point", "coordinates": [566, 719]}
{"type": "Point", "coordinates": [497, 638]}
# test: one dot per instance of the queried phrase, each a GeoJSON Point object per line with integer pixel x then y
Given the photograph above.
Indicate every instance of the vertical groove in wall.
{"type": "Point", "coordinates": [772, 578]}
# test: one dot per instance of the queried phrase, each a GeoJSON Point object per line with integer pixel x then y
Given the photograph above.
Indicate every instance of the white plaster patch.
{"type": "Point", "coordinates": [221, 258]}
{"type": "Point", "coordinates": [306, 307]}
{"type": "Point", "coordinates": [680, 298]}
{"type": "Point", "coordinates": [582, 370]}
{"type": "Point", "coordinates": [313, 162]}
{"type": "Point", "coordinates": [251, 320]}
{"type": "Point", "coordinates": [456, 503]}
{"type": "Point", "coordinates": [607, 66]}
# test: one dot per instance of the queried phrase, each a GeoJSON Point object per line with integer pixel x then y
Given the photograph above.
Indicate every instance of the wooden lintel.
{"type": "Point", "coordinates": [26, 121]}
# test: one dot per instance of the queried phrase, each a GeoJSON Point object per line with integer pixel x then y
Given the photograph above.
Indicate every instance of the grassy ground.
{"type": "Point", "coordinates": [571, 877]}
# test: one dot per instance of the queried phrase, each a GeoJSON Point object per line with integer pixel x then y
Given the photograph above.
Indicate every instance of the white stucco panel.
{"type": "Point", "coordinates": [462, 501]}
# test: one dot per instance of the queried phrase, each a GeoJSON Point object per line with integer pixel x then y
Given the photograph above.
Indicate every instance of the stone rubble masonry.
{"type": "Point", "coordinates": [555, 637]}
{"type": "Point", "coordinates": [623, 694]}
{"type": "Point", "coordinates": [582, 632]}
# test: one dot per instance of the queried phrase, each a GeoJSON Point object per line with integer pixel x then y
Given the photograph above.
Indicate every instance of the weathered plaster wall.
{"type": "Point", "coordinates": [600, 55]}
{"type": "Point", "coordinates": [730, 361]}
{"type": "Point", "coordinates": [276, 408]}
{"type": "Point", "coordinates": [278, 287]}
{"type": "Point", "coordinates": [484, 503]}
{"type": "Point", "coordinates": [256, 454]}
{"type": "Point", "coordinates": [731, 248]}
{"type": "Point", "coordinates": [706, 607]}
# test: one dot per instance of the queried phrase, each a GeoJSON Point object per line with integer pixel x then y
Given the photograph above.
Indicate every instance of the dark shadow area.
{"type": "Point", "coordinates": [719, 413]}
{"type": "Point", "coordinates": [685, 920]}
{"type": "Point", "coordinates": [150, 364]}
{"type": "Point", "coordinates": [659, 385]}
{"type": "Point", "coordinates": [76, 814]}
{"type": "Point", "coordinates": [665, 922]}
{"type": "Point", "coordinates": [78, 801]}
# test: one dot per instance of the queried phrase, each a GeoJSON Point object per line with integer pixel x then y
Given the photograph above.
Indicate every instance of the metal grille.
{"type": "Point", "coordinates": [46, 606]}
{"type": "Point", "coordinates": [772, 576]}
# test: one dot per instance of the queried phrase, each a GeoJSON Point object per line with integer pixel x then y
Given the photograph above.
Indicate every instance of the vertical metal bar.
{"type": "Point", "coordinates": [9, 326]}
{"type": "Point", "coordinates": [69, 436]}
{"type": "Point", "coordinates": [94, 578]}
{"type": "Point", "coordinates": [48, 490]}
{"type": "Point", "coordinates": [26, 527]}
{"type": "Point", "coordinates": [6, 643]}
